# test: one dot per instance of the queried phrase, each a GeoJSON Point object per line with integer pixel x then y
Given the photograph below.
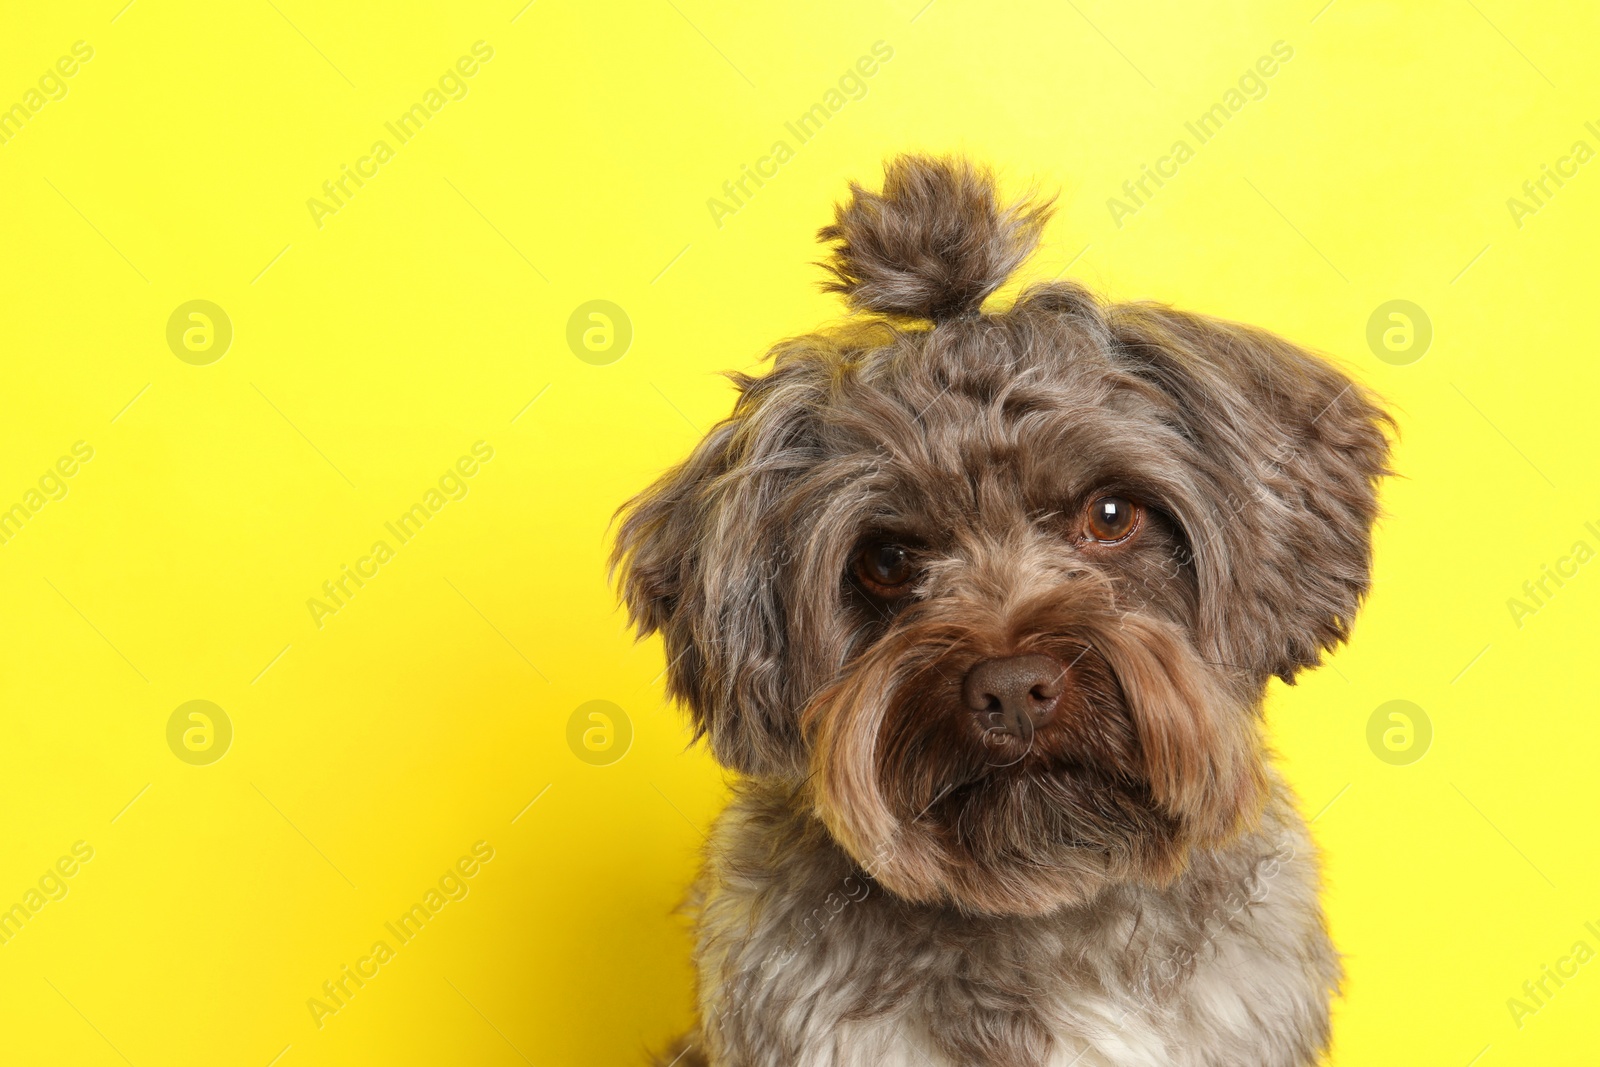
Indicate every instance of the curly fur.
{"type": "Point", "coordinates": [890, 886]}
{"type": "Point", "coordinates": [933, 245]}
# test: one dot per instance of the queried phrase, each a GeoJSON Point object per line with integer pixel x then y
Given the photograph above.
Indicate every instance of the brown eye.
{"type": "Point", "coordinates": [1113, 518]}
{"type": "Point", "coordinates": [884, 568]}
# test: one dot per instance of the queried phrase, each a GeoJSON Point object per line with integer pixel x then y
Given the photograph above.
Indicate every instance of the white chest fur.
{"type": "Point", "coordinates": [807, 964]}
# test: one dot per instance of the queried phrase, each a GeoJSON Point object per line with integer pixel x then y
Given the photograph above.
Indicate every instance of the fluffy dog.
{"type": "Point", "coordinates": [981, 608]}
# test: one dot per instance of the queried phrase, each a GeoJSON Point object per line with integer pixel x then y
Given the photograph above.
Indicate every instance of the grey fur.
{"type": "Point", "coordinates": [1014, 905]}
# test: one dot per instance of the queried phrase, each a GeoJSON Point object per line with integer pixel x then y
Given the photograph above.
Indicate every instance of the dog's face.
{"type": "Point", "coordinates": [1002, 596]}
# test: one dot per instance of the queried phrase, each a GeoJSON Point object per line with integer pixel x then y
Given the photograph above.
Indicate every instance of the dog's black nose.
{"type": "Point", "coordinates": [1016, 694]}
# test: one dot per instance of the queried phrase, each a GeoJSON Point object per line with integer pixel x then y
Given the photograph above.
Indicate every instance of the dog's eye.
{"type": "Point", "coordinates": [1112, 519]}
{"type": "Point", "coordinates": [884, 568]}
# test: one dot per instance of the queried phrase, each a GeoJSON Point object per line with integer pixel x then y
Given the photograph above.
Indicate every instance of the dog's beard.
{"type": "Point", "coordinates": [1147, 755]}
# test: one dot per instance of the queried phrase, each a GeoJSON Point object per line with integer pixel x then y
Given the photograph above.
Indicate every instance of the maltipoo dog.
{"type": "Point", "coordinates": [981, 606]}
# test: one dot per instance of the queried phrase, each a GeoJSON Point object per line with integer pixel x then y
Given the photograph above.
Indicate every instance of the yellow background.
{"type": "Point", "coordinates": [368, 354]}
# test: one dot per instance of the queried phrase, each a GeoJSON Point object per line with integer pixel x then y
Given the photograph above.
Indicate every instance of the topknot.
{"type": "Point", "coordinates": [933, 245]}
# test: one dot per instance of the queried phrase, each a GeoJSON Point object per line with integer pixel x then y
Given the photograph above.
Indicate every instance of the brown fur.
{"type": "Point", "coordinates": [934, 245]}
{"type": "Point", "coordinates": [979, 439]}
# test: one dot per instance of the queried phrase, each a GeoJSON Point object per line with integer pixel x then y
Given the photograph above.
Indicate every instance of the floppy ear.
{"type": "Point", "coordinates": [703, 559]}
{"type": "Point", "coordinates": [1288, 453]}
{"type": "Point", "coordinates": [654, 553]}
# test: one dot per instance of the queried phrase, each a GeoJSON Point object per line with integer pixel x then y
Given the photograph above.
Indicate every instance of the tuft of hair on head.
{"type": "Point", "coordinates": [934, 244]}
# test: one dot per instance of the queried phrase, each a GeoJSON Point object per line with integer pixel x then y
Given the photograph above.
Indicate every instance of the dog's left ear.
{"type": "Point", "coordinates": [1290, 452]}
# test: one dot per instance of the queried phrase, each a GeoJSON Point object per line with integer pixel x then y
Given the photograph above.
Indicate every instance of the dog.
{"type": "Point", "coordinates": [980, 606]}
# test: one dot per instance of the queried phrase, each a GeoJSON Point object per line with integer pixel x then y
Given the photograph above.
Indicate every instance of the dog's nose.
{"type": "Point", "coordinates": [1015, 694]}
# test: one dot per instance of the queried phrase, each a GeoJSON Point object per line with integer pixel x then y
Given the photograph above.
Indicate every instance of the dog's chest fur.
{"type": "Point", "coordinates": [804, 962]}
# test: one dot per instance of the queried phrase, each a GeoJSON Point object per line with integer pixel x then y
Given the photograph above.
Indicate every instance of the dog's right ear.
{"type": "Point", "coordinates": [703, 558]}
{"type": "Point", "coordinates": [654, 555]}
{"type": "Point", "coordinates": [656, 560]}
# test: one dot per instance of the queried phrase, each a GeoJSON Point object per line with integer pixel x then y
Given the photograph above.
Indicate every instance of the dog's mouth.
{"type": "Point", "coordinates": [1074, 807]}
{"type": "Point", "coordinates": [1139, 757]}
{"type": "Point", "coordinates": [1071, 783]}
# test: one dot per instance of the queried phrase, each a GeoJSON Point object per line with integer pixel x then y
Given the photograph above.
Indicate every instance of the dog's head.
{"type": "Point", "coordinates": [1002, 592]}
